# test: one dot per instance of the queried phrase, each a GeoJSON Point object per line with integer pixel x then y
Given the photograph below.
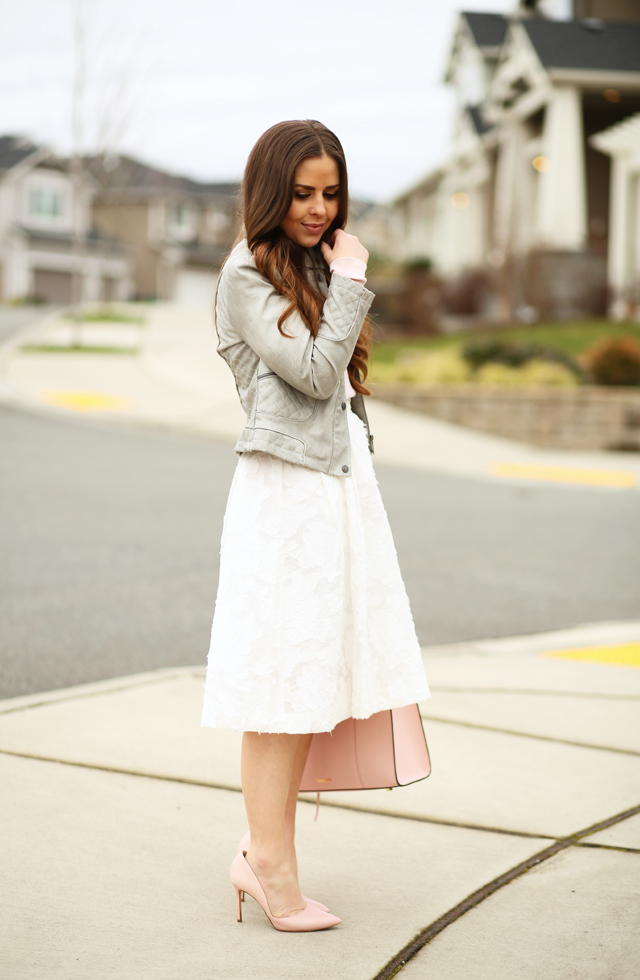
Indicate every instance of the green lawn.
{"type": "Point", "coordinates": [107, 315]}
{"type": "Point", "coordinates": [75, 349]}
{"type": "Point", "coordinates": [574, 338]}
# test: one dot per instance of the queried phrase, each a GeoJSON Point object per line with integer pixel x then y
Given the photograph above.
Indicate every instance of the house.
{"type": "Point", "coordinates": [622, 144]}
{"type": "Point", "coordinates": [179, 230]}
{"type": "Point", "coordinates": [373, 224]}
{"type": "Point", "coordinates": [48, 248]}
{"type": "Point", "coordinates": [525, 196]}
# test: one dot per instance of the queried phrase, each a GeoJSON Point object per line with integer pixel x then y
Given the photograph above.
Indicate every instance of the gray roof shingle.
{"type": "Point", "coordinates": [15, 149]}
{"type": "Point", "coordinates": [488, 29]}
{"type": "Point", "coordinates": [585, 44]}
{"type": "Point", "coordinates": [126, 173]}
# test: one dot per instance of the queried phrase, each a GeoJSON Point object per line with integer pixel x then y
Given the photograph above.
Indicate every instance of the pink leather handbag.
{"type": "Point", "coordinates": [386, 750]}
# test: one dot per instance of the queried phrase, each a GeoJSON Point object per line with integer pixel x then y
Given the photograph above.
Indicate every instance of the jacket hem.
{"type": "Point", "coordinates": [251, 442]}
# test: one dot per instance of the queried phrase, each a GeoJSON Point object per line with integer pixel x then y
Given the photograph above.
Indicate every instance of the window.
{"type": "Point", "coordinates": [178, 215]}
{"type": "Point", "coordinates": [46, 202]}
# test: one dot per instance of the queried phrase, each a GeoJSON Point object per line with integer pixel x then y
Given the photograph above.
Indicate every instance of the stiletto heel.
{"type": "Point", "coordinates": [244, 846]}
{"type": "Point", "coordinates": [310, 919]}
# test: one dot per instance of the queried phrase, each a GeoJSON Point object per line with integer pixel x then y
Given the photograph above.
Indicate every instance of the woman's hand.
{"type": "Point", "coordinates": [343, 246]}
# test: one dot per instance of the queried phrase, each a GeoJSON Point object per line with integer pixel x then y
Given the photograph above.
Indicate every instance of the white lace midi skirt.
{"type": "Point", "coordinates": [312, 623]}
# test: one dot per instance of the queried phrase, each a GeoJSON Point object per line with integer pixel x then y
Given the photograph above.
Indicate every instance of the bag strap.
{"type": "Point", "coordinates": [357, 407]}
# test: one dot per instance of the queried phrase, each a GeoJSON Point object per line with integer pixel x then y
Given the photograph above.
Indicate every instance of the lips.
{"type": "Point", "coordinates": [312, 229]}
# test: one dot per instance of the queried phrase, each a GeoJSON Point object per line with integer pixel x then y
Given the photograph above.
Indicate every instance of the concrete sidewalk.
{"type": "Point", "coordinates": [178, 381]}
{"type": "Point", "coordinates": [121, 817]}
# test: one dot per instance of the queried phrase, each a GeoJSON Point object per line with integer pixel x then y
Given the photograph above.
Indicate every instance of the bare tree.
{"type": "Point", "coordinates": [79, 10]}
{"type": "Point", "coordinates": [108, 98]}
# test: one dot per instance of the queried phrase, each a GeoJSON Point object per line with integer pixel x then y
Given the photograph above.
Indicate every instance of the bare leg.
{"type": "Point", "coordinates": [269, 763]}
{"type": "Point", "coordinates": [299, 762]}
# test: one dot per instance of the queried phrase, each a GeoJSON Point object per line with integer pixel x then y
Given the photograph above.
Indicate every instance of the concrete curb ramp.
{"type": "Point", "coordinates": [518, 858]}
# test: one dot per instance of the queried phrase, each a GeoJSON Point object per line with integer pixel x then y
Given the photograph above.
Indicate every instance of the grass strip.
{"type": "Point", "coordinates": [75, 349]}
{"type": "Point", "coordinates": [572, 338]}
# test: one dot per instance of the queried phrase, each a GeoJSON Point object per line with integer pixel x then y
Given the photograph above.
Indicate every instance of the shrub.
{"type": "Point", "coordinates": [492, 350]}
{"type": "Point", "coordinates": [484, 350]}
{"type": "Point", "coordinates": [468, 292]}
{"type": "Point", "coordinates": [548, 374]}
{"type": "Point", "coordinates": [420, 298]}
{"type": "Point", "coordinates": [498, 374]}
{"type": "Point", "coordinates": [418, 264]}
{"type": "Point", "coordinates": [535, 373]}
{"type": "Point", "coordinates": [614, 361]}
{"type": "Point", "coordinates": [441, 368]}
{"type": "Point", "coordinates": [436, 368]}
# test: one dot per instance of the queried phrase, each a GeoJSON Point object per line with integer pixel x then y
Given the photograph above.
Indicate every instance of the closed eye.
{"type": "Point", "coordinates": [303, 197]}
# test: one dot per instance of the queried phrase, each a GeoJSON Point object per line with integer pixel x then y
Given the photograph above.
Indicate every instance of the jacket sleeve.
{"type": "Point", "coordinates": [312, 366]}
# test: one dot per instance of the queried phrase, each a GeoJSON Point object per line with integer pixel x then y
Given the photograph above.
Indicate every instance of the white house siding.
{"type": "Point", "coordinates": [52, 182]}
{"type": "Point", "coordinates": [536, 198]}
{"type": "Point", "coordinates": [622, 143]}
{"type": "Point", "coordinates": [42, 210]}
{"type": "Point", "coordinates": [561, 220]}
{"type": "Point", "coordinates": [16, 270]}
{"type": "Point", "coordinates": [462, 242]}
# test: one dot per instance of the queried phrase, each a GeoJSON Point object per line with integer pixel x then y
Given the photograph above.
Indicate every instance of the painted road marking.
{"type": "Point", "coordinates": [87, 401]}
{"type": "Point", "coordinates": [566, 474]}
{"type": "Point", "coordinates": [619, 654]}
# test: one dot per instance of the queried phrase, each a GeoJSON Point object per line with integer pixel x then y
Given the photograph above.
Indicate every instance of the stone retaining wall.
{"type": "Point", "coordinates": [588, 417]}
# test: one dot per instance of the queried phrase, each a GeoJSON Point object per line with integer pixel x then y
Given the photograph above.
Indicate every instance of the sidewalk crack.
{"type": "Point", "coordinates": [539, 738]}
{"type": "Point", "coordinates": [542, 693]}
{"type": "Point", "coordinates": [471, 901]}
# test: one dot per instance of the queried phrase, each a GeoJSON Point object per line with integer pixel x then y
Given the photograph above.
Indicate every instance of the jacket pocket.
{"type": "Point", "coordinates": [279, 400]}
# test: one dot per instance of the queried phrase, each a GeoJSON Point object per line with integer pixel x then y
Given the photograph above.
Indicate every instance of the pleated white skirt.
{"type": "Point", "coordinates": [312, 623]}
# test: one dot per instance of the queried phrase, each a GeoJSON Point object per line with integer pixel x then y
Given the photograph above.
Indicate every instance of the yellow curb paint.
{"type": "Point", "coordinates": [618, 655]}
{"type": "Point", "coordinates": [86, 401]}
{"type": "Point", "coordinates": [566, 474]}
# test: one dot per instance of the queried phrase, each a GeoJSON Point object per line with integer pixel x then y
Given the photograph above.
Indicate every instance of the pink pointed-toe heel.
{"type": "Point", "coordinates": [244, 846]}
{"type": "Point", "coordinates": [244, 879]}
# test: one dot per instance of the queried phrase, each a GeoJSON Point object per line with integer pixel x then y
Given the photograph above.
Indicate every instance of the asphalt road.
{"type": "Point", "coordinates": [110, 542]}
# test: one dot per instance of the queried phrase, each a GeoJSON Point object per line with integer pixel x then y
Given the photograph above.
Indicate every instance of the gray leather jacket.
{"type": "Point", "coordinates": [292, 388]}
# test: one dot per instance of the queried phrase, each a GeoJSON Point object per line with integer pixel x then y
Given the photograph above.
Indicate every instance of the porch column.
{"type": "Point", "coordinates": [561, 212]}
{"type": "Point", "coordinates": [618, 232]}
{"type": "Point", "coordinates": [505, 187]}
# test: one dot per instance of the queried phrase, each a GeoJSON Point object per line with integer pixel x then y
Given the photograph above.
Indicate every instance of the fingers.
{"type": "Point", "coordinates": [343, 245]}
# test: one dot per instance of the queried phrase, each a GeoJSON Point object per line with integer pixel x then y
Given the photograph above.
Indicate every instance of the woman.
{"type": "Point", "coordinates": [312, 623]}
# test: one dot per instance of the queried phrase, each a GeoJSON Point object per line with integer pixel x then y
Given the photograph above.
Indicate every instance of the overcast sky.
{"type": "Point", "coordinates": [193, 83]}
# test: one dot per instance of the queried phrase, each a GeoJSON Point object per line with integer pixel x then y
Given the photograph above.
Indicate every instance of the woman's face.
{"type": "Point", "coordinates": [315, 201]}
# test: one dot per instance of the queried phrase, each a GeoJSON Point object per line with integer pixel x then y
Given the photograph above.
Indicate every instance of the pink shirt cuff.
{"type": "Point", "coordinates": [349, 268]}
{"type": "Point", "coordinates": [349, 390]}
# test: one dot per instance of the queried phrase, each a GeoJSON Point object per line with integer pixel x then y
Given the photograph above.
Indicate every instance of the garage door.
{"type": "Point", "coordinates": [109, 289]}
{"type": "Point", "coordinates": [195, 287]}
{"type": "Point", "coordinates": [52, 286]}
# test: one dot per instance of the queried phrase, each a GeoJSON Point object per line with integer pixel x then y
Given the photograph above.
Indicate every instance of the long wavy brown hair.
{"type": "Point", "coordinates": [267, 193]}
